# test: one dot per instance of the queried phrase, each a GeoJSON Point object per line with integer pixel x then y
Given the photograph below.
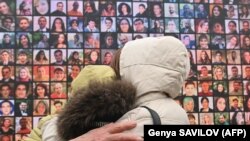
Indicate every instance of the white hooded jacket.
{"type": "Point", "coordinates": [157, 67]}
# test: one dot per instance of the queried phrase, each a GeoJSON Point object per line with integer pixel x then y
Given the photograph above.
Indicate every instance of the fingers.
{"type": "Point", "coordinates": [120, 127]}
{"type": "Point", "coordinates": [124, 137]}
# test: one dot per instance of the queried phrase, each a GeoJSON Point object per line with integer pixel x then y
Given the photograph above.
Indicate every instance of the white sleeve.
{"type": "Point", "coordinates": [49, 131]}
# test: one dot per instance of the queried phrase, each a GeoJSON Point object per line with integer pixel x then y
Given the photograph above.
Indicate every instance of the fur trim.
{"type": "Point", "coordinates": [98, 103]}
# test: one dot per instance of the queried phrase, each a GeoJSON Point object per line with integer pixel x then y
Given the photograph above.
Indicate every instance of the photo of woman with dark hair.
{"type": "Point", "coordinates": [156, 10]}
{"type": "Point", "coordinates": [24, 41]}
{"type": "Point", "coordinates": [244, 12]}
{"type": "Point", "coordinates": [124, 9]}
{"type": "Point", "coordinates": [157, 26]}
{"type": "Point", "coordinates": [61, 41]}
{"type": "Point", "coordinates": [58, 25]}
{"type": "Point", "coordinates": [90, 9]}
{"type": "Point", "coordinates": [109, 41]}
{"type": "Point", "coordinates": [245, 42]}
{"type": "Point", "coordinates": [92, 57]}
{"type": "Point", "coordinates": [40, 58]}
{"type": "Point", "coordinates": [124, 25]}
{"type": "Point", "coordinates": [217, 12]}
{"type": "Point", "coordinates": [203, 41]}
{"type": "Point", "coordinates": [220, 104]}
{"type": "Point", "coordinates": [204, 104]}
{"type": "Point", "coordinates": [107, 58]}
{"type": "Point", "coordinates": [73, 72]}
{"type": "Point", "coordinates": [204, 57]}
{"type": "Point", "coordinates": [74, 59]}
{"type": "Point", "coordinates": [41, 91]}
{"type": "Point", "coordinates": [5, 9]}
{"type": "Point", "coordinates": [219, 88]}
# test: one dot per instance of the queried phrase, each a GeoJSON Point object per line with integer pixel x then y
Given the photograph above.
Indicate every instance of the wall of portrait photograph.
{"type": "Point", "coordinates": [44, 44]}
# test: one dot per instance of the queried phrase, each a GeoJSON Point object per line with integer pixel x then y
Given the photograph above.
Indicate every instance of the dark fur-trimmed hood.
{"type": "Point", "coordinates": [98, 103]}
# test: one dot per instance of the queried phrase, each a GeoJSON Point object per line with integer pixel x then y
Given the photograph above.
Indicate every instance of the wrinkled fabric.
{"type": "Point", "coordinates": [92, 72]}
{"type": "Point", "coordinates": [157, 67]}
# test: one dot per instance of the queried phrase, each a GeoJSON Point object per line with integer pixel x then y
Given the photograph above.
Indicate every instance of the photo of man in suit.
{"type": "Point", "coordinates": [42, 22]}
{"type": "Point", "coordinates": [23, 109]}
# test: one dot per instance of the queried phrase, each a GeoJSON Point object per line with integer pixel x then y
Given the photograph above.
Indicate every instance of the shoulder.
{"type": "Point", "coordinates": [48, 128]}
{"type": "Point", "coordinates": [139, 115]}
{"type": "Point", "coordinates": [45, 131]}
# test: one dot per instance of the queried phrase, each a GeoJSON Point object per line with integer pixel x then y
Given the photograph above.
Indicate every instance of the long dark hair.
{"type": "Point", "coordinates": [54, 26]}
{"type": "Point", "coordinates": [130, 29]}
{"type": "Point", "coordinates": [247, 13]}
{"type": "Point", "coordinates": [120, 9]}
{"type": "Point", "coordinates": [38, 55]}
{"type": "Point", "coordinates": [221, 12]}
{"type": "Point", "coordinates": [44, 87]}
{"type": "Point", "coordinates": [115, 63]}
{"type": "Point", "coordinates": [25, 35]}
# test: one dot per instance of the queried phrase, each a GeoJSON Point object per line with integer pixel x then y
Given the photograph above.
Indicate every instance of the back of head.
{"type": "Point", "coordinates": [155, 64]}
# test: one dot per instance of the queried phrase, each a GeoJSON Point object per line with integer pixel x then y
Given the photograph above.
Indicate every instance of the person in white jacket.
{"type": "Point", "coordinates": [157, 68]}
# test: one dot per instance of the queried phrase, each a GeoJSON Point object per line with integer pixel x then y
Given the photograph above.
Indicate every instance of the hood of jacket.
{"type": "Point", "coordinates": [102, 73]}
{"type": "Point", "coordinates": [95, 105]}
{"type": "Point", "coordinates": [155, 64]}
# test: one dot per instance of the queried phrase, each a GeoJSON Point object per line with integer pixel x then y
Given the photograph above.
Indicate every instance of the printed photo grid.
{"type": "Point", "coordinates": [44, 44]}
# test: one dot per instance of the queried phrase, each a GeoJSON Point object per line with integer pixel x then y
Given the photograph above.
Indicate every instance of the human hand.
{"type": "Point", "coordinates": [111, 132]}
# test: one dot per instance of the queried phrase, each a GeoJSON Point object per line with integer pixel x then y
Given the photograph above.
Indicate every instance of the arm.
{"type": "Point", "coordinates": [111, 132]}
{"type": "Point", "coordinates": [37, 134]}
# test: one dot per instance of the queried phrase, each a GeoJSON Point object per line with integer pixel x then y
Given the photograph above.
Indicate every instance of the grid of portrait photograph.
{"type": "Point", "coordinates": [44, 44]}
